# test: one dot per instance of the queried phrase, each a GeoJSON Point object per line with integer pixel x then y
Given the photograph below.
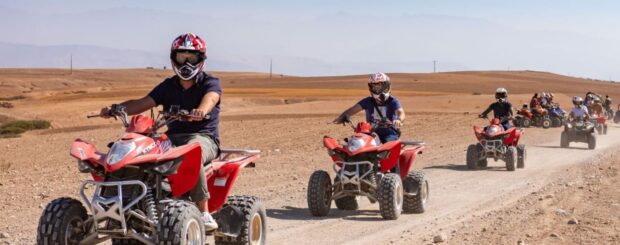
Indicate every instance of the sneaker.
{"type": "Point", "coordinates": [210, 224]}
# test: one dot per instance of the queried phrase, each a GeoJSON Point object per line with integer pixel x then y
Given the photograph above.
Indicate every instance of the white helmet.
{"type": "Point", "coordinates": [501, 94]}
{"type": "Point", "coordinates": [380, 86]}
{"type": "Point", "coordinates": [577, 101]}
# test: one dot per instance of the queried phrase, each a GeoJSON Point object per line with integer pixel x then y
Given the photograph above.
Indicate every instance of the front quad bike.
{"type": "Point", "coordinates": [497, 143]}
{"type": "Point", "coordinates": [600, 123]}
{"type": "Point", "coordinates": [140, 192]}
{"type": "Point", "coordinates": [578, 130]}
{"type": "Point", "coordinates": [365, 167]}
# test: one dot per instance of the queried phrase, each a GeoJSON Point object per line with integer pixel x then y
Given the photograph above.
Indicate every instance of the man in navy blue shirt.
{"type": "Point", "coordinates": [382, 109]}
{"type": "Point", "coordinates": [193, 90]}
{"type": "Point", "coordinates": [502, 108]}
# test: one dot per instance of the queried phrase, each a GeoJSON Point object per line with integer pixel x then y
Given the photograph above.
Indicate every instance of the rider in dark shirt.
{"type": "Point", "coordinates": [502, 108]}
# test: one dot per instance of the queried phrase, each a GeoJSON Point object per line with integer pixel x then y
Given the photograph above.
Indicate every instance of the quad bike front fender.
{"type": "Point", "coordinates": [407, 157]}
{"type": "Point", "coordinates": [394, 148]}
{"type": "Point", "coordinates": [186, 175]}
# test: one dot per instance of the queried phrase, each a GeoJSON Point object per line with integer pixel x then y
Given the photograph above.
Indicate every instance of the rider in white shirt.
{"type": "Point", "coordinates": [579, 110]}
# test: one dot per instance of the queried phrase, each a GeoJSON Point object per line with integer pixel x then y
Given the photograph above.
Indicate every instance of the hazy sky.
{"type": "Point", "coordinates": [579, 38]}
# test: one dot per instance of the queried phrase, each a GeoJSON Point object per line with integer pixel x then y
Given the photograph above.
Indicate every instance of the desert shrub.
{"type": "Point", "coordinates": [476, 93]}
{"type": "Point", "coordinates": [15, 128]}
{"type": "Point", "coordinates": [17, 97]}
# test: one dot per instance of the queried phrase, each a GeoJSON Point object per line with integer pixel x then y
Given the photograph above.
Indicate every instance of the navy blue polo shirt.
{"type": "Point", "coordinates": [170, 92]}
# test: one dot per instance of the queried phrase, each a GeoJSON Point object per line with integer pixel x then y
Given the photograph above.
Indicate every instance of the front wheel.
{"type": "Point", "coordinates": [592, 141]}
{"type": "Point", "coordinates": [181, 223]}
{"type": "Point", "coordinates": [511, 158]}
{"type": "Point", "coordinates": [526, 122]}
{"type": "Point", "coordinates": [546, 123]}
{"type": "Point", "coordinates": [390, 196]}
{"type": "Point", "coordinates": [473, 156]}
{"type": "Point", "coordinates": [319, 193]}
{"type": "Point", "coordinates": [62, 222]}
{"type": "Point", "coordinates": [347, 203]}
{"type": "Point", "coordinates": [416, 182]}
{"type": "Point", "coordinates": [564, 140]}
{"type": "Point", "coordinates": [556, 122]}
{"type": "Point", "coordinates": [605, 129]}
{"type": "Point", "coordinates": [253, 225]}
{"type": "Point", "coordinates": [521, 156]}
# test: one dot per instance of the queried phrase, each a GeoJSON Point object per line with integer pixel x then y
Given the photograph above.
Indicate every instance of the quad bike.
{"type": "Point", "coordinates": [139, 194]}
{"type": "Point", "coordinates": [366, 167]}
{"type": "Point", "coordinates": [557, 115]}
{"type": "Point", "coordinates": [578, 130]}
{"type": "Point", "coordinates": [600, 123]}
{"type": "Point", "coordinates": [526, 118]}
{"type": "Point", "coordinates": [497, 143]}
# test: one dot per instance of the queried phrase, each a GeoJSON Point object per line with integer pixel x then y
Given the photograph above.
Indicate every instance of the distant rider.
{"type": "Point", "coordinates": [579, 109]}
{"type": "Point", "coordinates": [607, 104]}
{"type": "Point", "coordinates": [502, 108]}
{"type": "Point", "coordinates": [197, 92]}
{"type": "Point", "coordinates": [596, 107]}
{"type": "Point", "coordinates": [382, 109]}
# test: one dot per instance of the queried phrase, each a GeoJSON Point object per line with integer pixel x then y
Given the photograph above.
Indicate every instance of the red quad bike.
{"type": "Point", "coordinates": [365, 167]}
{"type": "Point", "coordinates": [497, 143]}
{"type": "Point", "coordinates": [139, 194]}
{"type": "Point", "coordinates": [600, 123]}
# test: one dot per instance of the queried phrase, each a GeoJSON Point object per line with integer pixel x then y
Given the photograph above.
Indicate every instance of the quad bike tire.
{"type": "Point", "coordinates": [592, 141]}
{"type": "Point", "coordinates": [116, 241]}
{"type": "Point", "coordinates": [390, 196]}
{"type": "Point", "coordinates": [517, 122]}
{"type": "Point", "coordinates": [347, 203]}
{"type": "Point", "coordinates": [564, 140]}
{"type": "Point", "coordinates": [415, 182]}
{"type": "Point", "coordinates": [556, 122]}
{"type": "Point", "coordinates": [319, 194]}
{"type": "Point", "coordinates": [511, 158]}
{"type": "Point", "coordinates": [599, 129]}
{"type": "Point", "coordinates": [545, 123]}
{"type": "Point", "coordinates": [472, 156]}
{"type": "Point", "coordinates": [526, 123]}
{"type": "Point", "coordinates": [605, 129]}
{"type": "Point", "coordinates": [62, 222]}
{"type": "Point", "coordinates": [253, 225]}
{"type": "Point", "coordinates": [521, 156]}
{"type": "Point", "coordinates": [181, 223]}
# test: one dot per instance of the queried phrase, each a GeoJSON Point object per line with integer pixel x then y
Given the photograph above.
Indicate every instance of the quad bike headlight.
{"type": "Point", "coordinates": [355, 144]}
{"type": "Point", "coordinates": [120, 150]}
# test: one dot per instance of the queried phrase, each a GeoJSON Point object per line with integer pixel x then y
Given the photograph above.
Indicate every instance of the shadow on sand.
{"type": "Point", "coordinates": [463, 167]}
{"type": "Point", "coordinates": [296, 213]}
{"type": "Point", "coordinates": [557, 147]}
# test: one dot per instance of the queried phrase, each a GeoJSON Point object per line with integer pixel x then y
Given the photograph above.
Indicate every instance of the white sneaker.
{"type": "Point", "coordinates": [210, 224]}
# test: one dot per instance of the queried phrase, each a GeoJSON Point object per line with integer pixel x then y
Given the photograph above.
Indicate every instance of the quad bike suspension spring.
{"type": "Point", "coordinates": [150, 206]}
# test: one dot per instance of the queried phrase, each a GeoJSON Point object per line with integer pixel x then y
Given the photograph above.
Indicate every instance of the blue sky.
{"type": "Point", "coordinates": [340, 37]}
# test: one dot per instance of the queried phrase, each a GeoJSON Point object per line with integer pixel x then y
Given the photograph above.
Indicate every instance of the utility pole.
{"type": "Point", "coordinates": [70, 64]}
{"type": "Point", "coordinates": [434, 66]}
{"type": "Point", "coordinates": [270, 69]}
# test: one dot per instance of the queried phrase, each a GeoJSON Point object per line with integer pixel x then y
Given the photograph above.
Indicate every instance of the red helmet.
{"type": "Point", "coordinates": [188, 54]}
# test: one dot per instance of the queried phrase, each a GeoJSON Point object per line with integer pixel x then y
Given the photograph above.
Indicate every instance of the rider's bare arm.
{"type": "Point", "coordinates": [400, 113]}
{"type": "Point", "coordinates": [207, 104]}
{"type": "Point", "coordinates": [349, 112]}
{"type": "Point", "coordinates": [133, 107]}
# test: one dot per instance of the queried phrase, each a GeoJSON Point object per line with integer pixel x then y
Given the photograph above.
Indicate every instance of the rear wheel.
{"type": "Point", "coordinates": [546, 123]}
{"type": "Point", "coordinates": [599, 128]}
{"type": "Point", "coordinates": [564, 141]}
{"type": "Point", "coordinates": [521, 156]}
{"type": "Point", "coordinates": [62, 222]}
{"type": "Point", "coordinates": [556, 122]}
{"type": "Point", "coordinates": [253, 225]}
{"type": "Point", "coordinates": [605, 129]}
{"type": "Point", "coordinates": [181, 223]}
{"type": "Point", "coordinates": [592, 141]}
{"type": "Point", "coordinates": [416, 182]}
{"type": "Point", "coordinates": [473, 156]}
{"type": "Point", "coordinates": [526, 122]}
{"type": "Point", "coordinates": [511, 158]}
{"type": "Point", "coordinates": [390, 196]}
{"type": "Point", "coordinates": [319, 193]}
{"type": "Point", "coordinates": [347, 203]}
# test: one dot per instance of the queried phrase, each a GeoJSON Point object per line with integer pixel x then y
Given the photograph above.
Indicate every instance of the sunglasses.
{"type": "Point", "coordinates": [187, 57]}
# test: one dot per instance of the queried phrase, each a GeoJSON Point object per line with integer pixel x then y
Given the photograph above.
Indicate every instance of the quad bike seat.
{"type": "Point", "coordinates": [413, 142]}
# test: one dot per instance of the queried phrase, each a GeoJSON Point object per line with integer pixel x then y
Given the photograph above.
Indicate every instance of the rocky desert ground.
{"type": "Point", "coordinates": [562, 196]}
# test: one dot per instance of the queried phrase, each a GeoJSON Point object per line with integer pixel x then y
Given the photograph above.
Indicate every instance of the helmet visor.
{"type": "Point", "coordinates": [182, 57]}
{"type": "Point", "coordinates": [378, 87]}
{"type": "Point", "coordinates": [501, 95]}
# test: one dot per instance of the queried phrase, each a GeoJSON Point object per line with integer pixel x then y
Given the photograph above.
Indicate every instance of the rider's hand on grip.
{"type": "Point", "coordinates": [105, 112]}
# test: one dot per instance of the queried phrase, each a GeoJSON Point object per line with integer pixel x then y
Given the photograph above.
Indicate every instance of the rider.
{"type": "Point", "coordinates": [596, 107]}
{"type": "Point", "coordinates": [607, 103]}
{"type": "Point", "coordinates": [197, 92]}
{"type": "Point", "coordinates": [535, 104]}
{"type": "Point", "coordinates": [502, 108]}
{"type": "Point", "coordinates": [382, 109]}
{"type": "Point", "coordinates": [580, 110]}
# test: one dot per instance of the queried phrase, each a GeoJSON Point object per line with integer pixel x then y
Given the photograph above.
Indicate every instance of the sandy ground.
{"type": "Point", "coordinates": [288, 116]}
